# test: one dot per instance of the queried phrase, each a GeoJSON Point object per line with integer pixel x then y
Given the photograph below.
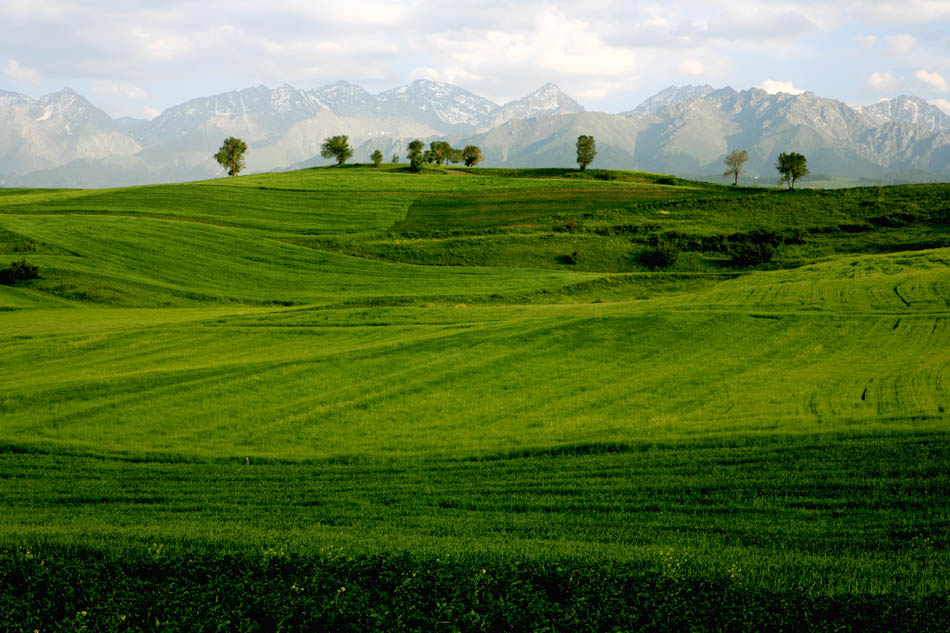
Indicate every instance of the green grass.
{"type": "Point", "coordinates": [410, 367]}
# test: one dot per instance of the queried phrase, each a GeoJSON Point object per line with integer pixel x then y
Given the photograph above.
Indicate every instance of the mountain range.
{"type": "Point", "coordinates": [63, 140]}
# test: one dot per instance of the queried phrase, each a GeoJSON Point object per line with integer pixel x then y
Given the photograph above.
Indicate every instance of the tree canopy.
{"type": "Point", "coordinates": [231, 155]}
{"type": "Point", "coordinates": [376, 157]}
{"type": "Point", "coordinates": [415, 155]}
{"type": "Point", "coordinates": [586, 150]}
{"type": "Point", "coordinates": [734, 162]}
{"type": "Point", "coordinates": [791, 167]}
{"type": "Point", "coordinates": [337, 147]}
{"type": "Point", "coordinates": [472, 155]}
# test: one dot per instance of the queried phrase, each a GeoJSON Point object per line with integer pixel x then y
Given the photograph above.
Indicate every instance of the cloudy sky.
{"type": "Point", "coordinates": [137, 57]}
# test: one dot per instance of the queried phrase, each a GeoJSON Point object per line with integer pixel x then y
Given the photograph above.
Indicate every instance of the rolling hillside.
{"type": "Point", "coordinates": [483, 377]}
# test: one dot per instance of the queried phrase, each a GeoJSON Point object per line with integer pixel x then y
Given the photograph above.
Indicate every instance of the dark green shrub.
{"type": "Point", "coordinates": [662, 253]}
{"type": "Point", "coordinates": [17, 272]}
{"type": "Point", "coordinates": [570, 226]}
{"type": "Point", "coordinates": [748, 253]}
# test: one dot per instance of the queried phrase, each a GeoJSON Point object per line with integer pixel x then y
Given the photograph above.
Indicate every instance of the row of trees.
{"type": "Point", "coordinates": [790, 166]}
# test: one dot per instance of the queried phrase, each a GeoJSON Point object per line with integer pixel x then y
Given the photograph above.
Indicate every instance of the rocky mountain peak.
{"type": "Point", "coordinates": [670, 96]}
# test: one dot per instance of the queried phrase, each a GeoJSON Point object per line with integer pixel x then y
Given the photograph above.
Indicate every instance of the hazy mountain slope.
{"type": "Point", "coordinates": [545, 101]}
{"type": "Point", "coordinates": [62, 140]}
{"type": "Point", "coordinates": [910, 110]}
{"type": "Point", "coordinates": [670, 96]}
{"type": "Point", "coordinates": [54, 130]}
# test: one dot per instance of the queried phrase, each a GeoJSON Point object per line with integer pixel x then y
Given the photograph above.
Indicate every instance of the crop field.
{"type": "Point", "coordinates": [475, 400]}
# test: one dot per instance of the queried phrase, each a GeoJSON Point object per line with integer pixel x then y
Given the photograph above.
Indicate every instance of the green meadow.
{"type": "Point", "coordinates": [224, 401]}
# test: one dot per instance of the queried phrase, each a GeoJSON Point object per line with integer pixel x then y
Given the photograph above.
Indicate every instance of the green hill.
{"type": "Point", "coordinates": [487, 367]}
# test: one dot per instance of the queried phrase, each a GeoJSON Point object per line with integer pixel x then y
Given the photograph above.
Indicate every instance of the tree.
{"type": "Point", "coordinates": [734, 161]}
{"type": "Point", "coordinates": [376, 157]}
{"type": "Point", "coordinates": [586, 150]}
{"type": "Point", "coordinates": [337, 147]}
{"type": "Point", "coordinates": [415, 155]}
{"type": "Point", "coordinates": [455, 156]}
{"type": "Point", "coordinates": [441, 151]}
{"type": "Point", "coordinates": [395, 158]}
{"type": "Point", "coordinates": [231, 155]}
{"type": "Point", "coordinates": [791, 167]}
{"type": "Point", "coordinates": [472, 155]}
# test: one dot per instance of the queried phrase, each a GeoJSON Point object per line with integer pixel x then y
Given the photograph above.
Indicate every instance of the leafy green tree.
{"type": "Point", "coordinates": [734, 162]}
{"type": "Point", "coordinates": [472, 155]}
{"type": "Point", "coordinates": [231, 155]}
{"type": "Point", "coordinates": [415, 155]}
{"type": "Point", "coordinates": [791, 167]}
{"type": "Point", "coordinates": [395, 158]}
{"type": "Point", "coordinates": [377, 158]}
{"type": "Point", "coordinates": [455, 156]}
{"type": "Point", "coordinates": [337, 147]}
{"type": "Point", "coordinates": [586, 150]}
{"type": "Point", "coordinates": [441, 151]}
{"type": "Point", "coordinates": [428, 157]}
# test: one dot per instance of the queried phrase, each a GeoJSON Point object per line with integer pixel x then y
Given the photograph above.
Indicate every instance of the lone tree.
{"type": "Point", "coordinates": [415, 155]}
{"type": "Point", "coordinates": [337, 147]}
{"type": "Point", "coordinates": [472, 155]}
{"type": "Point", "coordinates": [376, 157]}
{"type": "Point", "coordinates": [586, 150]}
{"type": "Point", "coordinates": [231, 155]}
{"type": "Point", "coordinates": [734, 161]}
{"type": "Point", "coordinates": [791, 166]}
{"type": "Point", "coordinates": [395, 158]}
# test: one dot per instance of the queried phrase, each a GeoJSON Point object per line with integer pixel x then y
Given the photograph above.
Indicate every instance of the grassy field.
{"type": "Point", "coordinates": [475, 384]}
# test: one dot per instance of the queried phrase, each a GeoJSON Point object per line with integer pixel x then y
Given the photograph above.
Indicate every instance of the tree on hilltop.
{"type": "Point", "coordinates": [734, 161]}
{"type": "Point", "coordinates": [377, 158]}
{"type": "Point", "coordinates": [791, 167]}
{"type": "Point", "coordinates": [441, 151]}
{"type": "Point", "coordinates": [586, 150]}
{"type": "Point", "coordinates": [337, 147]}
{"type": "Point", "coordinates": [472, 155]}
{"type": "Point", "coordinates": [415, 155]}
{"type": "Point", "coordinates": [231, 155]}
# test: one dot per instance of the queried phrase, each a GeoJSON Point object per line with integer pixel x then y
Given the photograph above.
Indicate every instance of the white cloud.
{"type": "Point", "coordinates": [117, 89]}
{"type": "Point", "coordinates": [866, 41]}
{"type": "Point", "coordinates": [900, 45]}
{"type": "Point", "coordinates": [884, 82]}
{"type": "Point", "coordinates": [18, 72]}
{"type": "Point", "coordinates": [772, 87]}
{"type": "Point", "coordinates": [943, 104]}
{"type": "Point", "coordinates": [932, 79]}
{"type": "Point", "coordinates": [556, 43]}
{"type": "Point", "coordinates": [150, 113]}
{"type": "Point", "coordinates": [424, 72]}
{"type": "Point", "coordinates": [900, 11]}
{"type": "Point", "coordinates": [692, 67]}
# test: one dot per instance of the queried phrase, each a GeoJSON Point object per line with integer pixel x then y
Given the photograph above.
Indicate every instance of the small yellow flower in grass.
{"type": "Point", "coordinates": [483, 571]}
{"type": "Point", "coordinates": [122, 617]}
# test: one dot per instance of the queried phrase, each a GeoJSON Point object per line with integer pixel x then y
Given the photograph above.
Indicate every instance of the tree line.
{"type": "Point", "coordinates": [791, 166]}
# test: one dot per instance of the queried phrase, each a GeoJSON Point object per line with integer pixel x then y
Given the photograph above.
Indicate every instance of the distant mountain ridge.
{"type": "Point", "coordinates": [63, 140]}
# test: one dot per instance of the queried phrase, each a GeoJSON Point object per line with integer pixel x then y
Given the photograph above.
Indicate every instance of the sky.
{"type": "Point", "coordinates": [138, 57]}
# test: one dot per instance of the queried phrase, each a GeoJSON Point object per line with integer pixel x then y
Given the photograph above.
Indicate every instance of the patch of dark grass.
{"type": "Point", "coordinates": [157, 588]}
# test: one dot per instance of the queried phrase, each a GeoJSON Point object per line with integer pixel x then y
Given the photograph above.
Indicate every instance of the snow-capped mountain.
{"type": "Point", "coordinates": [911, 110]}
{"type": "Point", "coordinates": [448, 104]}
{"type": "Point", "coordinates": [62, 140]}
{"type": "Point", "coordinates": [670, 96]}
{"type": "Point", "coordinates": [545, 101]}
{"type": "Point", "coordinates": [55, 129]}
